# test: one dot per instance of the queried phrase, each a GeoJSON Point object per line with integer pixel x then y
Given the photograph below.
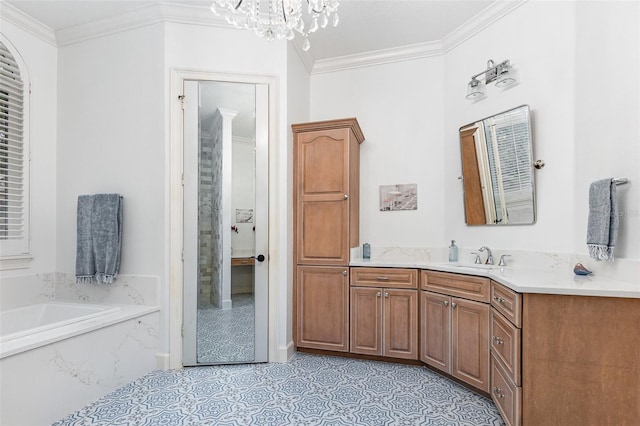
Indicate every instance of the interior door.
{"type": "Point", "coordinates": [225, 312]}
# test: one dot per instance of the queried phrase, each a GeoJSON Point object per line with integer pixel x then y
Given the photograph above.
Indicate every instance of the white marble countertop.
{"type": "Point", "coordinates": [523, 279]}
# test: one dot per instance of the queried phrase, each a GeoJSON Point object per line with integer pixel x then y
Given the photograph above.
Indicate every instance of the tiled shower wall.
{"type": "Point", "coordinates": [210, 217]}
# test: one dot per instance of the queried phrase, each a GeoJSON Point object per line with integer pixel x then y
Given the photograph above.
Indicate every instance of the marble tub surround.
{"type": "Point", "coordinates": [25, 290]}
{"type": "Point", "coordinates": [125, 290]}
{"type": "Point", "coordinates": [526, 272]}
{"type": "Point", "coordinates": [53, 372]}
{"type": "Point", "coordinates": [46, 383]}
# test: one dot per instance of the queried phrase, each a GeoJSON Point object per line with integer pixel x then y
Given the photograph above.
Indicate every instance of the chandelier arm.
{"type": "Point", "coordinates": [324, 6]}
{"type": "Point", "coordinates": [238, 5]}
{"type": "Point", "coordinates": [284, 13]}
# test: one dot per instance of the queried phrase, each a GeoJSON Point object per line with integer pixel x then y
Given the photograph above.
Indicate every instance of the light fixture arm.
{"type": "Point", "coordinates": [492, 72]}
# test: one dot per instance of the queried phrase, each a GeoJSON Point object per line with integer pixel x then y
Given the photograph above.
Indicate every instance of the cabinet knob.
{"type": "Point", "coordinates": [453, 304]}
{"type": "Point", "coordinates": [446, 303]}
{"type": "Point", "coordinates": [378, 294]}
{"type": "Point", "coordinates": [346, 197]}
{"type": "Point", "coordinates": [344, 273]}
{"type": "Point", "coordinates": [386, 294]}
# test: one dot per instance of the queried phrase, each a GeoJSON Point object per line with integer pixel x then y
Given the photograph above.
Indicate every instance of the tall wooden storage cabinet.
{"type": "Point", "coordinates": [326, 192]}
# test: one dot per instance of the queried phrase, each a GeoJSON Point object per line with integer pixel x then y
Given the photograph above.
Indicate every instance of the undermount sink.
{"type": "Point", "coordinates": [472, 265]}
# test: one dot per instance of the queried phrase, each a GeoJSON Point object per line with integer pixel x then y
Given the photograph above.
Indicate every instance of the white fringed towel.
{"type": "Point", "coordinates": [99, 238]}
{"type": "Point", "coordinates": [602, 226]}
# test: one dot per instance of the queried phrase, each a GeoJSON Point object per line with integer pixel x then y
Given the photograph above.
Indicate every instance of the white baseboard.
{"type": "Point", "coordinates": [286, 352]}
{"type": "Point", "coordinates": [162, 361]}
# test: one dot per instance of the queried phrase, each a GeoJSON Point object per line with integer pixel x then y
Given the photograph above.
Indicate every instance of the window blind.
{"type": "Point", "coordinates": [12, 149]}
{"type": "Point", "coordinates": [511, 162]}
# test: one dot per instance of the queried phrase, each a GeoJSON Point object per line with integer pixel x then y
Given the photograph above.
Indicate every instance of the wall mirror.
{"type": "Point", "coordinates": [497, 169]}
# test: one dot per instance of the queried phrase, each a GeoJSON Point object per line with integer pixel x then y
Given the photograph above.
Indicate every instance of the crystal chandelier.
{"type": "Point", "coordinates": [278, 19]}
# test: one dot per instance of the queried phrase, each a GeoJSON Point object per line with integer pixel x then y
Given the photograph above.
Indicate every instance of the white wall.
{"type": "Point", "coordinates": [40, 58]}
{"type": "Point", "coordinates": [400, 109]}
{"type": "Point", "coordinates": [544, 60]}
{"type": "Point", "coordinates": [111, 139]}
{"type": "Point", "coordinates": [577, 65]}
{"type": "Point", "coordinates": [607, 113]}
{"type": "Point", "coordinates": [298, 105]}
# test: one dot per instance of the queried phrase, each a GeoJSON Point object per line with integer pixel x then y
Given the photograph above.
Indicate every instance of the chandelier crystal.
{"type": "Point", "coordinates": [278, 19]}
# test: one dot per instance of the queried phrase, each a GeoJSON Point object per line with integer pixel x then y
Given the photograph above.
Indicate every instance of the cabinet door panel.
{"type": "Point", "coordinates": [435, 315]}
{"type": "Point", "coordinates": [366, 321]}
{"type": "Point", "coordinates": [322, 295]}
{"type": "Point", "coordinates": [323, 163]}
{"type": "Point", "coordinates": [322, 230]}
{"type": "Point", "coordinates": [470, 342]}
{"type": "Point", "coordinates": [401, 323]}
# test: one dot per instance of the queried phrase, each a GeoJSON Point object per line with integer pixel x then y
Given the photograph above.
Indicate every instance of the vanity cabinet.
{"type": "Point", "coordinates": [384, 312]}
{"type": "Point", "coordinates": [506, 352]}
{"type": "Point", "coordinates": [454, 326]}
{"type": "Point", "coordinates": [580, 364]}
{"type": "Point", "coordinates": [326, 192]}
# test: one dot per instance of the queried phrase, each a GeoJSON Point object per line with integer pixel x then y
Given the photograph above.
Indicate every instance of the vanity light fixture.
{"type": "Point", "coordinates": [501, 73]}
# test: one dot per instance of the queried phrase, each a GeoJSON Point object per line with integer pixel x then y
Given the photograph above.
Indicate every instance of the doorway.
{"type": "Point", "coordinates": [226, 222]}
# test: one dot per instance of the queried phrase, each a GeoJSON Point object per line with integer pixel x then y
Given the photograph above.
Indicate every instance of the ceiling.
{"type": "Point", "coordinates": [365, 25]}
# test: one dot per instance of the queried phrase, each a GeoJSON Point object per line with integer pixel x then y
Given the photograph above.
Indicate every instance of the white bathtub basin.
{"type": "Point", "coordinates": [31, 319]}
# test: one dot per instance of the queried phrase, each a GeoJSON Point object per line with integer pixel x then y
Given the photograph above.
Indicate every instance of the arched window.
{"type": "Point", "coordinates": [14, 157]}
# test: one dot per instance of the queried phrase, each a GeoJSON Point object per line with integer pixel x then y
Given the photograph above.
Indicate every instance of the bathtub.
{"type": "Point", "coordinates": [67, 355]}
{"type": "Point", "coordinates": [32, 319]}
{"type": "Point", "coordinates": [31, 326]}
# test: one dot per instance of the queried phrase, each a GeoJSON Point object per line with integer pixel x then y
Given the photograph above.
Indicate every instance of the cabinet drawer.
{"type": "Point", "coordinates": [507, 396]}
{"type": "Point", "coordinates": [465, 286]}
{"type": "Point", "coordinates": [508, 302]}
{"type": "Point", "coordinates": [506, 345]}
{"type": "Point", "coordinates": [384, 277]}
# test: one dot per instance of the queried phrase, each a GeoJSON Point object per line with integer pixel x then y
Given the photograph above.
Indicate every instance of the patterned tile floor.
{"type": "Point", "coordinates": [227, 335]}
{"type": "Point", "coordinates": [308, 390]}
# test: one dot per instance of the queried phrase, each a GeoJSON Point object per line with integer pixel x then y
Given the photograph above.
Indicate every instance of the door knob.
{"type": "Point", "coordinates": [260, 258]}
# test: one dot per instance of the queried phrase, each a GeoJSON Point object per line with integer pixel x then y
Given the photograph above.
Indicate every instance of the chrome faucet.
{"type": "Point", "coordinates": [489, 260]}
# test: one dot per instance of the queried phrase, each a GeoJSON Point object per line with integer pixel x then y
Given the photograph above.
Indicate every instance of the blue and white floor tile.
{"type": "Point", "coordinates": [227, 335]}
{"type": "Point", "coordinates": [308, 390]}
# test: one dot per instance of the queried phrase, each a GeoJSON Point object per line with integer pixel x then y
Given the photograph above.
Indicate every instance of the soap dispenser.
{"type": "Point", "coordinates": [453, 252]}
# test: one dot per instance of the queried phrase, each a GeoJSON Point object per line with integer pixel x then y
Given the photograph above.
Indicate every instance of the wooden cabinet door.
{"type": "Point", "coordinates": [322, 302]}
{"type": "Point", "coordinates": [435, 317]}
{"type": "Point", "coordinates": [470, 342]}
{"type": "Point", "coordinates": [322, 192]}
{"type": "Point", "coordinates": [400, 323]}
{"type": "Point", "coordinates": [366, 320]}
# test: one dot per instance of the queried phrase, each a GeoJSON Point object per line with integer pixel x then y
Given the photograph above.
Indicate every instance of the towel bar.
{"type": "Point", "coordinates": [620, 181]}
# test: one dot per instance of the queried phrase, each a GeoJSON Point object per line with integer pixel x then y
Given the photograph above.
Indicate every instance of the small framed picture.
{"type": "Point", "coordinates": [244, 215]}
{"type": "Point", "coordinates": [398, 197]}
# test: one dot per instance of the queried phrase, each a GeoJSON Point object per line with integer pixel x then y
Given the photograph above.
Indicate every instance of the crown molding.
{"type": "Point", "coordinates": [157, 13]}
{"type": "Point", "coordinates": [378, 57]}
{"type": "Point", "coordinates": [487, 17]}
{"type": "Point", "coordinates": [25, 22]}
{"type": "Point", "coordinates": [491, 14]}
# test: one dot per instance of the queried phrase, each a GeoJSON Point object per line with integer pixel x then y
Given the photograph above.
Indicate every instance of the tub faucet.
{"type": "Point", "coordinates": [489, 260]}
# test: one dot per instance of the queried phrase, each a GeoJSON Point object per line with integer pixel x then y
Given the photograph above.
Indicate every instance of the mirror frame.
{"type": "Point", "coordinates": [468, 197]}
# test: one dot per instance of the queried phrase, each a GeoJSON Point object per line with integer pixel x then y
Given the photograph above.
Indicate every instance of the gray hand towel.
{"type": "Point", "coordinates": [602, 227]}
{"type": "Point", "coordinates": [99, 238]}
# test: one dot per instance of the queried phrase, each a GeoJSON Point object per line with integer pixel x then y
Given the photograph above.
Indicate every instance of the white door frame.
{"type": "Point", "coordinates": [176, 206]}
